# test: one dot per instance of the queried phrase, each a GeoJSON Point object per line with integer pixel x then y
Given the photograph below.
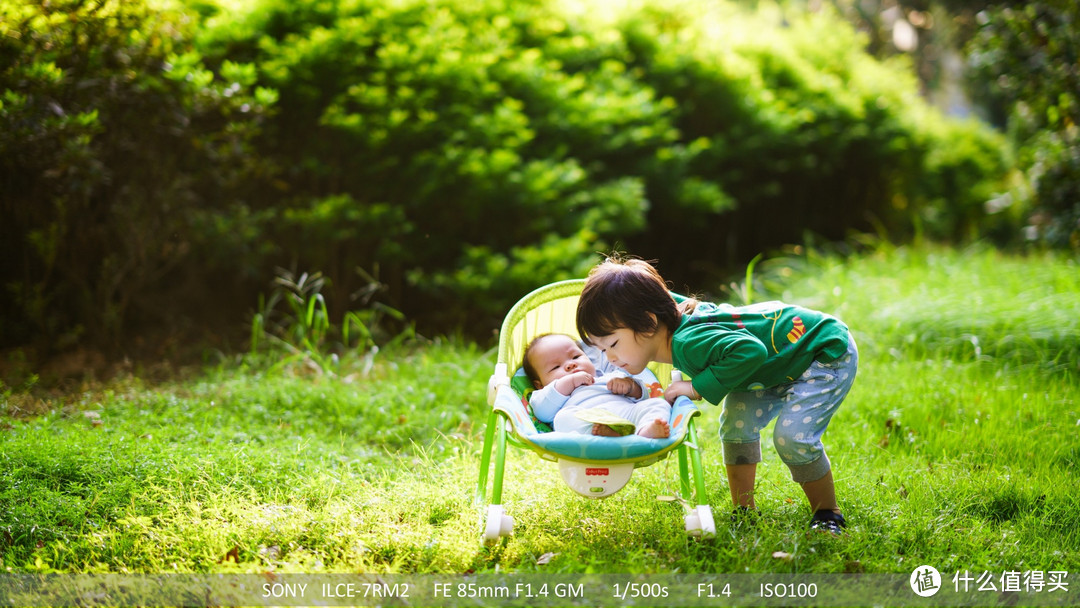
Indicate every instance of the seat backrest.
{"type": "Point", "coordinates": [548, 309]}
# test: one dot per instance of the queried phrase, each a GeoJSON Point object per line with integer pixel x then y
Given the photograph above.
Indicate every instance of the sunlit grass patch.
{"type": "Point", "coordinates": [970, 304]}
{"type": "Point", "coordinates": [942, 454]}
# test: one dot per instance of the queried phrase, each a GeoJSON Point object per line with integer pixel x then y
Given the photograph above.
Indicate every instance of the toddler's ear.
{"type": "Point", "coordinates": [537, 385]}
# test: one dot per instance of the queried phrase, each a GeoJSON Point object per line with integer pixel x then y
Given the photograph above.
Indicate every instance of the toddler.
{"type": "Point", "coordinates": [771, 361]}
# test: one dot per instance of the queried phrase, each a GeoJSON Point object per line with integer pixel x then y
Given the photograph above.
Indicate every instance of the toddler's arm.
{"type": "Point", "coordinates": [726, 359]}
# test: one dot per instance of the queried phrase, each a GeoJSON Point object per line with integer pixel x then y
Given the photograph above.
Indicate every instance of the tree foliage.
{"type": "Point", "coordinates": [451, 156]}
{"type": "Point", "coordinates": [1027, 61]}
{"type": "Point", "coordinates": [473, 151]}
{"type": "Point", "coordinates": [114, 142]}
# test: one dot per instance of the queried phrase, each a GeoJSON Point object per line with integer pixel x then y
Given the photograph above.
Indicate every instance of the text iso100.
{"type": "Point", "coordinates": [799, 590]}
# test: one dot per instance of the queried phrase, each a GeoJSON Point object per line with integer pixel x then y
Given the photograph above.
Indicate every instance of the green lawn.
{"type": "Point", "coordinates": [959, 446]}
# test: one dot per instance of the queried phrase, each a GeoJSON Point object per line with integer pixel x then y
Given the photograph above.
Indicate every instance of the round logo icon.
{"type": "Point", "coordinates": [925, 581]}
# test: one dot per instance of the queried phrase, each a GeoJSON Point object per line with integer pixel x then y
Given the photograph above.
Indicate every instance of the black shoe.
{"type": "Point", "coordinates": [828, 521]}
{"type": "Point", "coordinates": [744, 516]}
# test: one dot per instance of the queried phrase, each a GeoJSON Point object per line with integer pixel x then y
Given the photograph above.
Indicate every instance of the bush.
{"type": "Point", "coordinates": [1024, 61]}
{"type": "Point", "coordinates": [808, 134]}
{"type": "Point", "coordinates": [443, 145]}
{"type": "Point", "coordinates": [113, 140]}
{"type": "Point", "coordinates": [455, 154]}
{"type": "Point", "coordinates": [473, 152]}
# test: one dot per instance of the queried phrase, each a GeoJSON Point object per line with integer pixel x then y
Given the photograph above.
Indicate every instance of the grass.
{"type": "Point", "coordinates": [958, 446]}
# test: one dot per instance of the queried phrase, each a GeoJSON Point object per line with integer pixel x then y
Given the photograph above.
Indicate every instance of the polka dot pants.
{"type": "Point", "coordinates": [802, 410]}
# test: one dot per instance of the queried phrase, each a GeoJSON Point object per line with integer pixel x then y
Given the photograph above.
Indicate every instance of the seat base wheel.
{"type": "Point", "coordinates": [497, 524]}
{"type": "Point", "coordinates": [699, 522]}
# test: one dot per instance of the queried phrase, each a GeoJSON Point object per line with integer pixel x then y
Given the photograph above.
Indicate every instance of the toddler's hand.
{"type": "Point", "coordinates": [680, 388]}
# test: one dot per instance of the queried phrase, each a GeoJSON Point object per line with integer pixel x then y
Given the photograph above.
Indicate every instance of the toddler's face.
{"type": "Point", "coordinates": [629, 350]}
{"type": "Point", "coordinates": [557, 356]}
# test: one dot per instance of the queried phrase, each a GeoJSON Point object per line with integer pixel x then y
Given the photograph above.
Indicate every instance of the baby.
{"type": "Point", "coordinates": [567, 383]}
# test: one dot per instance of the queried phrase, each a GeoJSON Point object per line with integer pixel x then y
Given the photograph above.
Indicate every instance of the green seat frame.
{"type": "Point", "coordinates": [553, 308]}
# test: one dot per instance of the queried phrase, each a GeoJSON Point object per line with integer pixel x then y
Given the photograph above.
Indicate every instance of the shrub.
{"type": "Point", "coordinates": [460, 154]}
{"type": "Point", "coordinates": [114, 139]}
{"type": "Point", "coordinates": [474, 151]}
{"type": "Point", "coordinates": [1024, 60]}
{"type": "Point", "coordinates": [443, 144]}
{"type": "Point", "coordinates": [807, 133]}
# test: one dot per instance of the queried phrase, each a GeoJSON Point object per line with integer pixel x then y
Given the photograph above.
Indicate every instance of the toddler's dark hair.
{"type": "Point", "coordinates": [625, 293]}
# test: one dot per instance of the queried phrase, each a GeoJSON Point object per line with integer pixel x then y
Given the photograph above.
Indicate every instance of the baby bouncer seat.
{"type": "Point", "coordinates": [593, 466]}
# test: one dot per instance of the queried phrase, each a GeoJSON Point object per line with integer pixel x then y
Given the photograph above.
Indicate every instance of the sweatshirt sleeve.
{"type": "Point", "coordinates": [546, 402]}
{"type": "Point", "coordinates": [726, 360]}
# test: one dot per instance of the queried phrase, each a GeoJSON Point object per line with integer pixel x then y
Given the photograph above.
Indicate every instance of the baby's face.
{"type": "Point", "coordinates": [557, 356]}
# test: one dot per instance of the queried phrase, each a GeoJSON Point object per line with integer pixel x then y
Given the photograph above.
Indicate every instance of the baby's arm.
{"type": "Point", "coordinates": [569, 382]}
{"type": "Point", "coordinates": [547, 401]}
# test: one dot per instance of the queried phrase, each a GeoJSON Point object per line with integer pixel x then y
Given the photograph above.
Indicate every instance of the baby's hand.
{"type": "Point", "coordinates": [569, 382]}
{"type": "Point", "coordinates": [622, 385]}
{"type": "Point", "coordinates": [682, 387]}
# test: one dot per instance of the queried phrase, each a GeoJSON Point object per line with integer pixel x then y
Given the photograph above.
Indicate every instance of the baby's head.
{"type": "Point", "coordinates": [552, 356]}
{"type": "Point", "coordinates": [625, 294]}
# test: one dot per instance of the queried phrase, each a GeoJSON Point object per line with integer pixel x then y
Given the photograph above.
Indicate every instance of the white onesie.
{"type": "Point", "coordinates": [551, 406]}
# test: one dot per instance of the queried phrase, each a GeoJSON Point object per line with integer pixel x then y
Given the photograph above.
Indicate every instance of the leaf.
{"type": "Point", "coordinates": [271, 552]}
{"type": "Point", "coordinates": [232, 556]}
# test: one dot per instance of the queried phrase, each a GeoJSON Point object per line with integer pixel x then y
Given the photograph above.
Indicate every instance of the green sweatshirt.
{"type": "Point", "coordinates": [726, 348]}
